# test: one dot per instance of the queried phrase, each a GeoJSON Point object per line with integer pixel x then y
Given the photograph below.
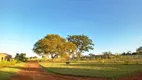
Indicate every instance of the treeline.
{"type": "Point", "coordinates": [73, 46]}
{"type": "Point", "coordinates": [138, 51]}
{"type": "Point", "coordinates": [109, 54]}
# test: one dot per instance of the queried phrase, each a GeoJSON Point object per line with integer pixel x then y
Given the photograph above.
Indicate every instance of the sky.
{"type": "Point", "coordinates": [113, 25]}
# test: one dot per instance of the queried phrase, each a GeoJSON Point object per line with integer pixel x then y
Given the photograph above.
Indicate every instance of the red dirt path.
{"type": "Point", "coordinates": [32, 71]}
{"type": "Point", "coordinates": [137, 76]}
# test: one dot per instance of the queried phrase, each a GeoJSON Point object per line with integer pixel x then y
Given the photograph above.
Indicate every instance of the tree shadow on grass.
{"type": "Point", "coordinates": [109, 74]}
{"type": "Point", "coordinates": [101, 65]}
{"type": "Point", "coordinates": [5, 75]}
{"type": "Point", "coordinates": [9, 74]}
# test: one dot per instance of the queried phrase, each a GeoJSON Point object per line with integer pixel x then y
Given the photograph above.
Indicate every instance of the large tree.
{"type": "Point", "coordinates": [53, 45]}
{"type": "Point", "coordinates": [82, 42]}
{"type": "Point", "coordinates": [21, 57]}
{"type": "Point", "coordinates": [139, 50]}
{"type": "Point", "coordinates": [107, 54]}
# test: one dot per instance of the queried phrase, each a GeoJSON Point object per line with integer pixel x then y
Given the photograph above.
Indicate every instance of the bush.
{"type": "Point", "coordinates": [67, 63]}
{"type": "Point", "coordinates": [101, 60]}
{"type": "Point", "coordinates": [8, 63]}
{"type": "Point", "coordinates": [13, 62]}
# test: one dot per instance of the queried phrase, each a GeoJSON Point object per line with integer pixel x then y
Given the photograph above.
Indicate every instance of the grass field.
{"type": "Point", "coordinates": [93, 69]}
{"type": "Point", "coordinates": [6, 72]}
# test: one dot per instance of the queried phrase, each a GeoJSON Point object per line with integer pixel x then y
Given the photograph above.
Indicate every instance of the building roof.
{"type": "Point", "coordinates": [5, 54]}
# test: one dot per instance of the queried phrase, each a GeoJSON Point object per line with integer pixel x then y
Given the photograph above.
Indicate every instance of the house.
{"type": "Point", "coordinates": [5, 57]}
{"type": "Point", "coordinates": [99, 56]}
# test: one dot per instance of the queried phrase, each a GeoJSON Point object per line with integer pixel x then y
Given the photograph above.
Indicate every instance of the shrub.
{"type": "Point", "coordinates": [13, 62]}
{"type": "Point", "coordinates": [67, 63]}
{"type": "Point", "coordinates": [101, 60]}
{"type": "Point", "coordinates": [8, 63]}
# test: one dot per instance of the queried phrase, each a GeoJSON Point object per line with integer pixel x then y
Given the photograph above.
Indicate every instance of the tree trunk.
{"type": "Point", "coordinates": [78, 55]}
{"type": "Point", "coordinates": [53, 56]}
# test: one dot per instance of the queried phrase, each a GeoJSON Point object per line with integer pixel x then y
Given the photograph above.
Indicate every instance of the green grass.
{"type": "Point", "coordinates": [7, 63]}
{"type": "Point", "coordinates": [93, 69]}
{"type": "Point", "coordinates": [6, 72]}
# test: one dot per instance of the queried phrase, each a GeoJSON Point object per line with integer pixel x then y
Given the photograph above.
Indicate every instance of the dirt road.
{"type": "Point", "coordinates": [32, 71]}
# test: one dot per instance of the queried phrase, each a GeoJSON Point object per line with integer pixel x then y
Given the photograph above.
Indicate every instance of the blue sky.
{"type": "Point", "coordinates": [114, 25]}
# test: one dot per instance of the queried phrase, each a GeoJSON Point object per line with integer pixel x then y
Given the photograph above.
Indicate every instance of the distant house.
{"type": "Point", "coordinates": [5, 57]}
{"type": "Point", "coordinates": [99, 56]}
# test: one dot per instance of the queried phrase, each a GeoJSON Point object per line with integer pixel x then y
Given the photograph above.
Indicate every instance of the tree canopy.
{"type": "Point", "coordinates": [139, 50]}
{"type": "Point", "coordinates": [82, 42]}
{"type": "Point", "coordinates": [21, 57]}
{"type": "Point", "coordinates": [53, 45]}
{"type": "Point", "coordinates": [107, 54]}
